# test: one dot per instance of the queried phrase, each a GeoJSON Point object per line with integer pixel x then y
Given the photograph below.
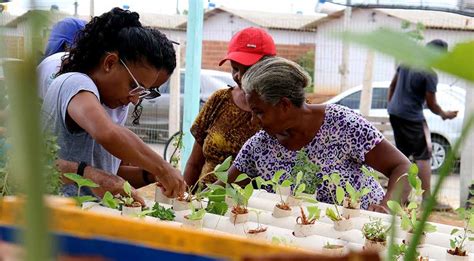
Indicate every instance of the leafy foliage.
{"type": "Point", "coordinates": [127, 200]}
{"type": "Point", "coordinates": [314, 213]}
{"type": "Point", "coordinates": [196, 214]}
{"type": "Point", "coordinates": [355, 195]}
{"type": "Point", "coordinates": [110, 201]}
{"type": "Point", "coordinates": [309, 169]}
{"type": "Point", "coordinates": [457, 243]}
{"type": "Point", "coordinates": [333, 215]}
{"type": "Point", "coordinates": [162, 213]}
{"type": "Point", "coordinates": [216, 202]}
{"type": "Point", "coordinates": [81, 182]}
{"type": "Point", "coordinates": [375, 230]}
{"type": "Point", "coordinates": [334, 180]}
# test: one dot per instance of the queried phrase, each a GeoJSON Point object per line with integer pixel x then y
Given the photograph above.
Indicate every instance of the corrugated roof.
{"type": "Point", "coordinates": [430, 19]}
{"type": "Point", "coordinates": [162, 21]}
{"type": "Point", "coordinates": [52, 17]}
{"type": "Point", "coordinates": [282, 21]}
{"type": "Point", "coordinates": [5, 18]}
{"type": "Point", "coordinates": [433, 19]}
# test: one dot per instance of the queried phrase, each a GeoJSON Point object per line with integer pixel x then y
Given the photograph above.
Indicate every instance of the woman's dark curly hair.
{"type": "Point", "coordinates": [119, 31]}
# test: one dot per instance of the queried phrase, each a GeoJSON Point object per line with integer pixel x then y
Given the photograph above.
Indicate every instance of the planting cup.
{"type": "Point", "coordinates": [409, 236]}
{"type": "Point", "coordinates": [131, 211]}
{"type": "Point", "coordinates": [238, 218]}
{"type": "Point", "coordinates": [335, 250]}
{"type": "Point", "coordinates": [196, 224]}
{"type": "Point", "coordinates": [374, 246]}
{"type": "Point", "coordinates": [285, 191]}
{"type": "Point", "coordinates": [450, 257]}
{"type": "Point", "coordinates": [347, 204]}
{"type": "Point", "coordinates": [343, 225]}
{"type": "Point", "coordinates": [180, 205]}
{"type": "Point", "coordinates": [160, 197]}
{"type": "Point", "coordinates": [280, 213]}
{"type": "Point", "coordinates": [301, 230]}
{"type": "Point", "coordinates": [257, 236]}
{"type": "Point", "coordinates": [89, 205]}
{"type": "Point", "coordinates": [292, 201]}
{"type": "Point", "coordinates": [350, 212]}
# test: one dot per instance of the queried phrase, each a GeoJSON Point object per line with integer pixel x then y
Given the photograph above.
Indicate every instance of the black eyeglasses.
{"type": "Point", "coordinates": [153, 93]}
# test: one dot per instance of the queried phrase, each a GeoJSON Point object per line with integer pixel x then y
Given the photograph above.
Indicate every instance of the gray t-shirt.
{"type": "Point", "coordinates": [410, 92]}
{"type": "Point", "coordinates": [76, 144]}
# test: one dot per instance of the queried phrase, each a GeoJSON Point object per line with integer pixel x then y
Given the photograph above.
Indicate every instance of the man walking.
{"type": "Point", "coordinates": [409, 90]}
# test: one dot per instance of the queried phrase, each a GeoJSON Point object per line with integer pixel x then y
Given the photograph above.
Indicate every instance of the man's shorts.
{"type": "Point", "coordinates": [412, 138]}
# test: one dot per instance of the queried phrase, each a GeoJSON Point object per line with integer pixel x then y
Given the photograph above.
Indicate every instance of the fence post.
{"type": "Point", "coordinates": [366, 94]}
{"type": "Point", "coordinates": [467, 153]}
{"type": "Point", "coordinates": [175, 95]}
{"type": "Point", "coordinates": [192, 86]}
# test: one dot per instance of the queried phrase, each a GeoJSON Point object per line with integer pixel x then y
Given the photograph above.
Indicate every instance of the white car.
{"type": "Point", "coordinates": [443, 133]}
{"type": "Point", "coordinates": [155, 115]}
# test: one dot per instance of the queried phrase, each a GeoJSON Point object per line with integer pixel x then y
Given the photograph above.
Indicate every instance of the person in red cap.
{"type": "Point", "coordinates": [224, 123]}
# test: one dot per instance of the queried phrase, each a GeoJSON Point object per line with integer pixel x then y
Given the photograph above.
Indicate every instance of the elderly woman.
{"type": "Point", "coordinates": [334, 137]}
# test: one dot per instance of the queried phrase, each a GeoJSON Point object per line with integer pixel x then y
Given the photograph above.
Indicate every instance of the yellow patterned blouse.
{"type": "Point", "coordinates": [221, 129]}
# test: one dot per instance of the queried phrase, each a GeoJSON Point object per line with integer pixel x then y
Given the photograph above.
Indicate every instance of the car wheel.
{"type": "Point", "coordinates": [439, 151]}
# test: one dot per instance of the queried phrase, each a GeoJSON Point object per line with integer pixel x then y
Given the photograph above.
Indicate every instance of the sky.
{"type": "Point", "coordinates": [165, 6]}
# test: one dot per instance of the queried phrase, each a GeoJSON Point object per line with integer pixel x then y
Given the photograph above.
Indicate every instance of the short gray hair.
{"type": "Point", "coordinates": [274, 78]}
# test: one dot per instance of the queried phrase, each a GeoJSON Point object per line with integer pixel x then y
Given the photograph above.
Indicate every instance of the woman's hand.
{"type": "Point", "coordinates": [381, 208]}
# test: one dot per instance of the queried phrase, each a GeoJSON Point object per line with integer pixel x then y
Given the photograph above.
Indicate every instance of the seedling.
{"type": "Point", "coordinates": [196, 214]}
{"type": "Point", "coordinates": [162, 213]}
{"type": "Point", "coordinates": [409, 215]}
{"type": "Point", "coordinates": [355, 196]}
{"type": "Point", "coordinates": [128, 200]}
{"type": "Point", "coordinates": [110, 201]}
{"type": "Point", "coordinates": [334, 180]}
{"type": "Point", "coordinates": [216, 204]}
{"type": "Point", "coordinates": [458, 242]}
{"type": "Point", "coordinates": [401, 249]}
{"type": "Point", "coordinates": [276, 186]}
{"type": "Point", "coordinates": [299, 188]}
{"type": "Point", "coordinates": [375, 230]}
{"type": "Point", "coordinates": [82, 182]}
{"type": "Point", "coordinates": [259, 228]}
{"type": "Point", "coordinates": [314, 213]}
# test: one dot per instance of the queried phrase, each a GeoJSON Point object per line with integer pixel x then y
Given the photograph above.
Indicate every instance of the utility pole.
{"type": "Point", "coordinates": [91, 8]}
{"type": "Point", "coordinates": [75, 8]}
{"type": "Point", "coordinates": [343, 67]}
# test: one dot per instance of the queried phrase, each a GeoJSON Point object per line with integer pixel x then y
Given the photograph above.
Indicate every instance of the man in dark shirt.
{"type": "Point", "coordinates": [409, 90]}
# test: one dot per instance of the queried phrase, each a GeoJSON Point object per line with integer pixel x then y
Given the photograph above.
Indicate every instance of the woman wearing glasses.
{"type": "Point", "coordinates": [115, 62]}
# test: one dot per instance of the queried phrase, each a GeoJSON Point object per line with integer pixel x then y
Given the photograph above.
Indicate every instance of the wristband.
{"type": "Point", "coordinates": [80, 168]}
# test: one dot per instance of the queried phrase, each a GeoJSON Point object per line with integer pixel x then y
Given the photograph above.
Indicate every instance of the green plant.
{"type": "Point", "coordinates": [457, 243]}
{"type": "Point", "coordinates": [375, 230]}
{"type": "Point", "coordinates": [82, 182]}
{"type": "Point", "coordinates": [274, 182]}
{"type": "Point", "coordinates": [299, 188]}
{"type": "Point", "coordinates": [337, 197]}
{"type": "Point", "coordinates": [309, 169]}
{"type": "Point", "coordinates": [162, 213]}
{"type": "Point", "coordinates": [128, 200]}
{"type": "Point", "coordinates": [178, 144]}
{"type": "Point", "coordinates": [196, 214]}
{"type": "Point", "coordinates": [110, 201]}
{"type": "Point", "coordinates": [355, 195]}
{"type": "Point", "coordinates": [216, 202]}
{"type": "Point", "coordinates": [314, 213]}
{"type": "Point", "coordinates": [259, 228]}
{"type": "Point", "coordinates": [417, 33]}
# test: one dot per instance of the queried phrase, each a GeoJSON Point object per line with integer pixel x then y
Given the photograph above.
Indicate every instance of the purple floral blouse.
{"type": "Point", "coordinates": [339, 146]}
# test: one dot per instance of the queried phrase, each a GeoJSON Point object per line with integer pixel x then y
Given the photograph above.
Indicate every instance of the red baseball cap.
{"type": "Point", "coordinates": [249, 45]}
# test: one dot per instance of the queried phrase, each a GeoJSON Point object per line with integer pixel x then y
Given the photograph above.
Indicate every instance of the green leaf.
{"type": "Point", "coordinates": [260, 182]}
{"type": "Point", "coordinates": [429, 228]}
{"type": "Point", "coordinates": [162, 213]}
{"type": "Point", "coordinates": [458, 61]}
{"type": "Point", "coordinates": [405, 223]}
{"type": "Point", "coordinates": [335, 178]}
{"type": "Point", "coordinates": [300, 189]}
{"type": "Point", "coordinates": [224, 166]}
{"type": "Point", "coordinates": [454, 231]}
{"type": "Point", "coordinates": [241, 177]}
{"type": "Point", "coordinates": [412, 205]}
{"type": "Point", "coordinates": [452, 243]}
{"type": "Point", "coordinates": [340, 194]}
{"type": "Point", "coordinates": [395, 207]}
{"type": "Point", "coordinates": [412, 177]}
{"type": "Point", "coordinates": [218, 208]}
{"type": "Point", "coordinates": [197, 215]}
{"type": "Point", "coordinates": [81, 181]}
{"type": "Point", "coordinates": [307, 199]}
{"type": "Point", "coordinates": [277, 176]}
{"type": "Point", "coordinates": [109, 201]}
{"type": "Point", "coordinates": [221, 176]}
{"type": "Point", "coordinates": [83, 199]}
{"type": "Point", "coordinates": [314, 212]}
{"type": "Point", "coordinates": [215, 187]}
{"type": "Point", "coordinates": [127, 188]}
{"type": "Point", "coordinates": [248, 191]}
{"type": "Point", "coordinates": [365, 191]}
{"type": "Point", "coordinates": [286, 183]}
{"type": "Point", "coordinates": [331, 214]}
{"type": "Point", "coordinates": [350, 190]}
{"type": "Point", "coordinates": [299, 177]}
{"type": "Point", "coordinates": [471, 238]}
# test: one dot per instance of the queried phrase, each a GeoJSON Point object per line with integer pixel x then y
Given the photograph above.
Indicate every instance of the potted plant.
{"type": "Point", "coordinates": [457, 243]}
{"type": "Point", "coordinates": [309, 169]}
{"type": "Point", "coordinates": [195, 218]}
{"type": "Point", "coordinates": [82, 182]}
{"type": "Point", "coordinates": [297, 194]}
{"type": "Point", "coordinates": [239, 212]}
{"type": "Point", "coordinates": [410, 214]}
{"type": "Point", "coordinates": [352, 201]}
{"type": "Point", "coordinates": [333, 249]}
{"type": "Point", "coordinates": [108, 200]}
{"type": "Point", "coordinates": [375, 233]}
{"type": "Point", "coordinates": [130, 207]}
{"type": "Point", "coordinates": [282, 208]}
{"type": "Point", "coordinates": [340, 223]}
{"type": "Point", "coordinates": [260, 232]}
{"type": "Point", "coordinates": [305, 224]}
{"type": "Point", "coordinates": [162, 213]}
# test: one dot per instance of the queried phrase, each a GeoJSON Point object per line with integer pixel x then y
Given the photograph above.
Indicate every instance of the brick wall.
{"type": "Point", "coordinates": [214, 51]}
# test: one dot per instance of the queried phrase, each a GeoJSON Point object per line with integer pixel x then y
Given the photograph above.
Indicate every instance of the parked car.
{"type": "Point", "coordinates": [443, 133]}
{"type": "Point", "coordinates": [155, 115]}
